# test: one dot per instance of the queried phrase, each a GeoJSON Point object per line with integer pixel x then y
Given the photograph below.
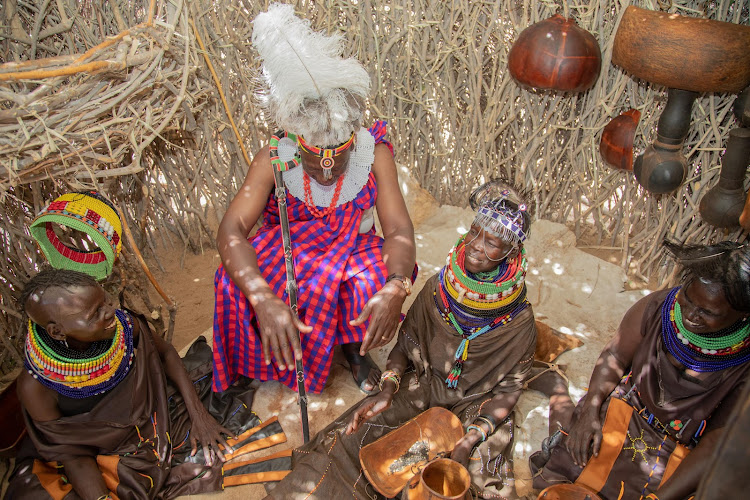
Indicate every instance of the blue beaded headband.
{"type": "Point", "coordinates": [502, 221]}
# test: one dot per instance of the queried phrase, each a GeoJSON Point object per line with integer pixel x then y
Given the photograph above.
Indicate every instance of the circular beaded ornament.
{"type": "Point", "coordinates": [78, 374]}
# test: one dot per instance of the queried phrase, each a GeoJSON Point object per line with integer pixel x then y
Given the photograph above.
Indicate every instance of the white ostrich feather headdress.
{"type": "Point", "coordinates": [309, 89]}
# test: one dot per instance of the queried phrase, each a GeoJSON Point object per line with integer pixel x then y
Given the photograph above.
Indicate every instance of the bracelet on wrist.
{"type": "Point", "coordinates": [106, 496]}
{"type": "Point", "coordinates": [479, 430]}
{"type": "Point", "coordinates": [390, 375]}
{"type": "Point", "coordinates": [651, 496]}
{"type": "Point", "coordinates": [491, 426]}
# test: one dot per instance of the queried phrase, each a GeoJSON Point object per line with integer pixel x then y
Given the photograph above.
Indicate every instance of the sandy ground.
{"type": "Point", "coordinates": [571, 290]}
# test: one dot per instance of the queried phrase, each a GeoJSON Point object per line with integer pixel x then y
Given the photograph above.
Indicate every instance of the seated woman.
{"type": "Point", "coordinates": [103, 421]}
{"type": "Point", "coordinates": [663, 387]}
{"type": "Point", "coordinates": [467, 344]}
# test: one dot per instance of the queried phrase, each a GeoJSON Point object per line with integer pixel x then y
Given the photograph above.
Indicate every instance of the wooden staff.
{"type": "Point", "coordinates": [291, 290]}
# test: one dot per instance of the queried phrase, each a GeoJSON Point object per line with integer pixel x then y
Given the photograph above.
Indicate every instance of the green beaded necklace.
{"type": "Point", "coordinates": [733, 338]}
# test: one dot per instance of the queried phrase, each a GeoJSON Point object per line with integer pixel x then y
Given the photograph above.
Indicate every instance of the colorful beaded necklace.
{"type": "Point", "coordinates": [76, 374]}
{"type": "Point", "coordinates": [484, 295]}
{"type": "Point", "coordinates": [703, 353]}
{"type": "Point", "coordinates": [467, 321]}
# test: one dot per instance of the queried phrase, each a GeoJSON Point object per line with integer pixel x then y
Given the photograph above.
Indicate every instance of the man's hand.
{"type": "Point", "coordinates": [384, 311]}
{"type": "Point", "coordinates": [278, 331]}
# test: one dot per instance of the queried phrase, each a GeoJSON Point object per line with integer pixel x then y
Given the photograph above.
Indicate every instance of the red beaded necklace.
{"type": "Point", "coordinates": [309, 199]}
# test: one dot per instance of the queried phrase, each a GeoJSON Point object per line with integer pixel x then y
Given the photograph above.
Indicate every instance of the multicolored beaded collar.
{"type": "Point", "coordinates": [703, 353]}
{"type": "Point", "coordinates": [475, 307]}
{"type": "Point", "coordinates": [90, 213]}
{"type": "Point", "coordinates": [484, 295]}
{"type": "Point", "coordinates": [77, 374]}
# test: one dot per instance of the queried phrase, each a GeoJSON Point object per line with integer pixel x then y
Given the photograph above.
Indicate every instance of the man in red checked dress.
{"type": "Point", "coordinates": [352, 282]}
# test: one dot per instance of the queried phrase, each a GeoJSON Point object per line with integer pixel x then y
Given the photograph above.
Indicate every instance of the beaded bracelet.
{"type": "Point", "coordinates": [478, 429]}
{"type": "Point", "coordinates": [390, 375]}
{"type": "Point", "coordinates": [487, 420]}
{"type": "Point", "coordinates": [106, 496]}
{"type": "Point", "coordinates": [651, 496]}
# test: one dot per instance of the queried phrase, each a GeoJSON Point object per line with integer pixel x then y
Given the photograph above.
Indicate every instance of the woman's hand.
{"type": "Point", "coordinates": [585, 436]}
{"type": "Point", "coordinates": [384, 311]}
{"type": "Point", "coordinates": [207, 432]}
{"type": "Point", "coordinates": [368, 408]}
{"type": "Point", "coordinates": [278, 326]}
{"type": "Point", "coordinates": [462, 451]}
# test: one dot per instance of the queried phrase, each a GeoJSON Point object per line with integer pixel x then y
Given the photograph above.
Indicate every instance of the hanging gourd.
{"type": "Point", "coordinates": [555, 54]}
{"type": "Point", "coordinates": [662, 168]}
{"type": "Point", "coordinates": [616, 144]}
{"type": "Point", "coordinates": [723, 204]}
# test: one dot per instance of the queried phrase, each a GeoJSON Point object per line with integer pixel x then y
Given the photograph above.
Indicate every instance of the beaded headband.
{"type": "Point", "coordinates": [494, 202]}
{"type": "Point", "coordinates": [326, 154]}
{"type": "Point", "coordinates": [90, 213]}
{"type": "Point", "coordinates": [502, 221]}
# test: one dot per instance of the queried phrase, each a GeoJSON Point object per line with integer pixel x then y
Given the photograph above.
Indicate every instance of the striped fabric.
{"type": "Point", "coordinates": [337, 269]}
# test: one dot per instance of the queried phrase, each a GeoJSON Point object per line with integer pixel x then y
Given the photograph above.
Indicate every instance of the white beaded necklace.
{"type": "Point", "coordinates": [360, 163]}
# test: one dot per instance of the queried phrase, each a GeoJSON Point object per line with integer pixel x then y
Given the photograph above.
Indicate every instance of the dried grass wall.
{"type": "Point", "coordinates": [139, 117]}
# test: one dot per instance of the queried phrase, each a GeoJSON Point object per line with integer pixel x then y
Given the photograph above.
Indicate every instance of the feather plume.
{"type": "Point", "coordinates": [309, 89]}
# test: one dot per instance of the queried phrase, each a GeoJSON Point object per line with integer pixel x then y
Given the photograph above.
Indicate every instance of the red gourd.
{"type": "Point", "coordinates": [555, 54]}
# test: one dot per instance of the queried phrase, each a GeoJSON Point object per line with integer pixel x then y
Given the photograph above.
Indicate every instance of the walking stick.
{"type": "Point", "coordinates": [291, 290]}
{"type": "Point", "coordinates": [291, 280]}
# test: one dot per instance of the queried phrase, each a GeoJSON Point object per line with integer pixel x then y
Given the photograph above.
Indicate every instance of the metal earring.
{"type": "Point", "coordinates": [65, 341]}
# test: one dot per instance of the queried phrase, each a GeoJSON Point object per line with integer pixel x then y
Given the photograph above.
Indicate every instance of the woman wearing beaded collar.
{"type": "Point", "coordinates": [95, 398]}
{"type": "Point", "coordinates": [351, 282]}
{"type": "Point", "coordinates": [664, 386]}
{"type": "Point", "coordinates": [467, 345]}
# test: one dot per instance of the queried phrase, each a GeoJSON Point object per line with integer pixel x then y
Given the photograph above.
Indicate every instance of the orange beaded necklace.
{"type": "Point", "coordinates": [309, 199]}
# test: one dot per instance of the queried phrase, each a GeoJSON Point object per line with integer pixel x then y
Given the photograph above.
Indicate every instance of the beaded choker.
{"type": "Point", "coordinates": [77, 374]}
{"type": "Point", "coordinates": [484, 295]}
{"type": "Point", "coordinates": [475, 307]}
{"type": "Point", "coordinates": [703, 353]}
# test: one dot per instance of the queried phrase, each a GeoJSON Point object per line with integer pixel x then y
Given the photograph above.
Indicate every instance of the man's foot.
{"type": "Point", "coordinates": [364, 370]}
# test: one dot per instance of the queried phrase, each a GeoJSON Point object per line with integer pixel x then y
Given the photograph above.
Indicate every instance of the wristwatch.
{"type": "Point", "coordinates": [403, 279]}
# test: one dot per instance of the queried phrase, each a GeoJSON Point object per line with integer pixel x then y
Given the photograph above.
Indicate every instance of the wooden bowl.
{"type": "Point", "coordinates": [683, 52]}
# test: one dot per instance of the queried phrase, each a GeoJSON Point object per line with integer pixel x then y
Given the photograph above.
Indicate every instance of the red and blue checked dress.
{"type": "Point", "coordinates": [338, 270]}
